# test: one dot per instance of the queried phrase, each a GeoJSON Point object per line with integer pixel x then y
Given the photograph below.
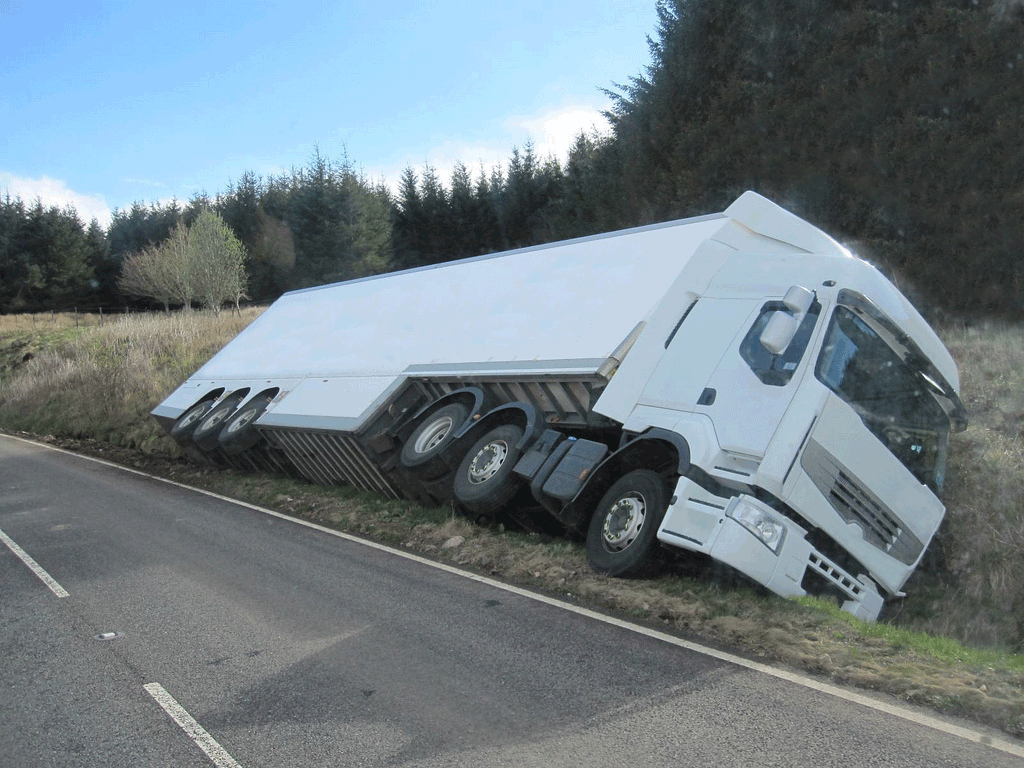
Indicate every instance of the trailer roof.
{"type": "Point", "coordinates": [565, 305]}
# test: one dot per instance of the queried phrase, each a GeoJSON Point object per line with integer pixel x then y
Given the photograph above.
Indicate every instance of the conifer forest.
{"type": "Point", "coordinates": [896, 127]}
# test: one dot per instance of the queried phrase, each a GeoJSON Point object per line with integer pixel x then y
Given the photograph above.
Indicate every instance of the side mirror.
{"type": "Point", "coordinates": [778, 332]}
{"type": "Point", "coordinates": [781, 326]}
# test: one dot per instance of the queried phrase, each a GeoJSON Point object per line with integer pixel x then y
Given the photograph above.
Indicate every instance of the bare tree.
{"type": "Point", "coordinates": [177, 262]}
{"type": "Point", "coordinates": [145, 273]}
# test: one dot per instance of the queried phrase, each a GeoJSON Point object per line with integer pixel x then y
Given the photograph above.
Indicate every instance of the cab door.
{"type": "Point", "coordinates": [750, 390]}
{"type": "Point", "coordinates": [693, 350]}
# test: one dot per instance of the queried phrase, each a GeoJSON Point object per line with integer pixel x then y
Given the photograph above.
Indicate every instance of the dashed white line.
{"type": "Point", "coordinates": [193, 730]}
{"type": "Point", "coordinates": [35, 567]}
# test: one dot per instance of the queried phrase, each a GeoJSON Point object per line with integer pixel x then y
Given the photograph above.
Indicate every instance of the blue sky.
{"type": "Point", "coordinates": [105, 103]}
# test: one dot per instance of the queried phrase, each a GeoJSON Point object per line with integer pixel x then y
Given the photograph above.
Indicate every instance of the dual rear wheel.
{"type": "Point", "coordinates": [484, 481]}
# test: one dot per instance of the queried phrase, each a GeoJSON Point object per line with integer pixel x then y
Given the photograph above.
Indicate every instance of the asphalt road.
{"type": "Point", "coordinates": [276, 644]}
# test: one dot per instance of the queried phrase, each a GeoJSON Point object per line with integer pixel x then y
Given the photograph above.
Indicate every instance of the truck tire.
{"type": "Point", "coordinates": [239, 432]}
{"type": "Point", "coordinates": [188, 421]}
{"type": "Point", "coordinates": [622, 537]}
{"type": "Point", "coordinates": [431, 438]}
{"type": "Point", "coordinates": [484, 481]}
{"type": "Point", "coordinates": [208, 431]}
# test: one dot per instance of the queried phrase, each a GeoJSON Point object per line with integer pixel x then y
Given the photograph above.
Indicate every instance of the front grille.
{"type": "Point", "coordinates": [855, 504]}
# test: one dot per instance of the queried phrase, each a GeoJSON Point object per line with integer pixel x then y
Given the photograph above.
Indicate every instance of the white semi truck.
{"type": "Point", "coordinates": [737, 385]}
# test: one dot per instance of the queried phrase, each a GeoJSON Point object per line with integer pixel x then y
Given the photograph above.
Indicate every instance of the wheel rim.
{"type": "Point", "coordinates": [623, 522]}
{"type": "Point", "coordinates": [433, 435]}
{"type": "Point", "coordinates": [241, 420]}
{"type": "Point", "coordinates": [488, 461]}
{"type": "Point", "coordinates": [215, 418]}
{"type": "Point", "coordinates": [193, 416]}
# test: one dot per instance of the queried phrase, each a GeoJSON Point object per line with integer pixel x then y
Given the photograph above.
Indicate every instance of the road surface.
{"type": "Point", "coordinates": [145, 624]}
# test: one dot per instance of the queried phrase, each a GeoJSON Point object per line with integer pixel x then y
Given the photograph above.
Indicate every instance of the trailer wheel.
{"type": "Point", "coordinates": [239, 433]}
{"type": "Point", "coordinates": [484, 482]}
{"type": "Point", "coordinates": [431, 438]}
{"type": "Point", "coordinates": [622, 538]}
{"type": "Point", "coordinates": [188, 421]}
{"type": "Point", "coordinates": [206, 434]}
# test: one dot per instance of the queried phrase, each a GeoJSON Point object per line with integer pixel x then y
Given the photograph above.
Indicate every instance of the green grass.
{"type": "Point", "coordinates": [937, 647]}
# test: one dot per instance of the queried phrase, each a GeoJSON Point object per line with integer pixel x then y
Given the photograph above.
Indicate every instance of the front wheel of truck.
{"type": "Point", "coordinates": [622, 537]}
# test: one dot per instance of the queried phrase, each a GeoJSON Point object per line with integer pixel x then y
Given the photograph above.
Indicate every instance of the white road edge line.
{"type": "Point", "coordinates": [35, 567]}
{"type": "Point", "coordinates": [188, 724]}
{"type": "Point", "coordinates": [880, 706]}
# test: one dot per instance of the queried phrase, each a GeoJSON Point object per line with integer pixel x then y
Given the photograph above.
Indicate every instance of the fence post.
{"type": "Point", "coordinates": [101, 317]}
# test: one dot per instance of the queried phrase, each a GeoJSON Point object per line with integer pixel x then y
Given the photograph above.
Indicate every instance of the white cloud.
{"type": "Point", "coordinates": [552, 134]}
{"type": "Point", "coordinates": [146, 183]}
{"type": "Point", "coordinates": [56, 192]}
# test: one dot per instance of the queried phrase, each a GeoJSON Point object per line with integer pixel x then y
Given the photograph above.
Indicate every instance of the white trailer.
{"type": "Point", "coordinates": [737, 385]}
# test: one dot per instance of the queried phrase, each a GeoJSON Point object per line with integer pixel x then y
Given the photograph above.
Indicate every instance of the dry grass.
{"type": "Point", "coordinates": [40, 322]}
{"type": "Point", "coordinates": [976, 592]}
{"type": "Point", "coordinates": [101, 382]}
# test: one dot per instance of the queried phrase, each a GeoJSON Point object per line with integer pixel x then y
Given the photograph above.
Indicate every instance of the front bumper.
{"type": "Point", "coordinates": [702, 522]}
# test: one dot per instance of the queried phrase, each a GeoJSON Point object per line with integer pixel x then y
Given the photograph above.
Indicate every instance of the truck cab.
{"type": "Point", "coordinates": [817, 407]}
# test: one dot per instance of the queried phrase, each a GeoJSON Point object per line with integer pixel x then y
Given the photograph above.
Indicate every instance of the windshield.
{"type": "Point", "coordinates": [895, 401]}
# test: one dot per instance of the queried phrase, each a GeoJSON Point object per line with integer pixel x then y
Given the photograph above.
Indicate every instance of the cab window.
{"type": "Point", "coordinates": [777, 370]}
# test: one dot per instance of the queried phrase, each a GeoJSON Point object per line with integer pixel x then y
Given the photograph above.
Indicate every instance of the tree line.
{"type": "Point", "coordinates": [896, 125]}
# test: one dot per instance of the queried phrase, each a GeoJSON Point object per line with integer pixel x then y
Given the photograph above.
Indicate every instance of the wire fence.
{"type": "Point", "coordinates": [85, 317]}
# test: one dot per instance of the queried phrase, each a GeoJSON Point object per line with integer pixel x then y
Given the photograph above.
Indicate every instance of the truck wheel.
{"type": "Point", "coordinates": [622, 537]}
{"type": "Point", "coordinates": [239, 433]}
{"type": "Point", "coordinates": [188, 421]}
{"type": "Point", "coordinates": [430, 439]}
{"type": "Point", "coordinates": [206, 434]}
{"type": "Point", "coordinates": [484, 482]}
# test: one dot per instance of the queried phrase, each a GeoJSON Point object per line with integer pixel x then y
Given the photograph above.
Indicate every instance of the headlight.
{"type": "Point", "coordinates": [766, 528]}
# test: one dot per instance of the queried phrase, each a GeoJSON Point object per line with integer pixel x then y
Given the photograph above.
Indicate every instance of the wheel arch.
{"type": "Point", "coordinates": [270, 392]}
{"type": "Point", "coordinates": [206, 434]}
{"type": "Point", "coordinates": [180, 429]}
{"type": "Point", "coordinates": [660, 450]}
{"type": "Point", "coordinates": [241, 394]}
{"type": "Point", "coordinates": [472, 397]}
{"type": "Point", "coordinates": [521, 414]}
{"type": "Point", "coordinates": [213, 395]}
